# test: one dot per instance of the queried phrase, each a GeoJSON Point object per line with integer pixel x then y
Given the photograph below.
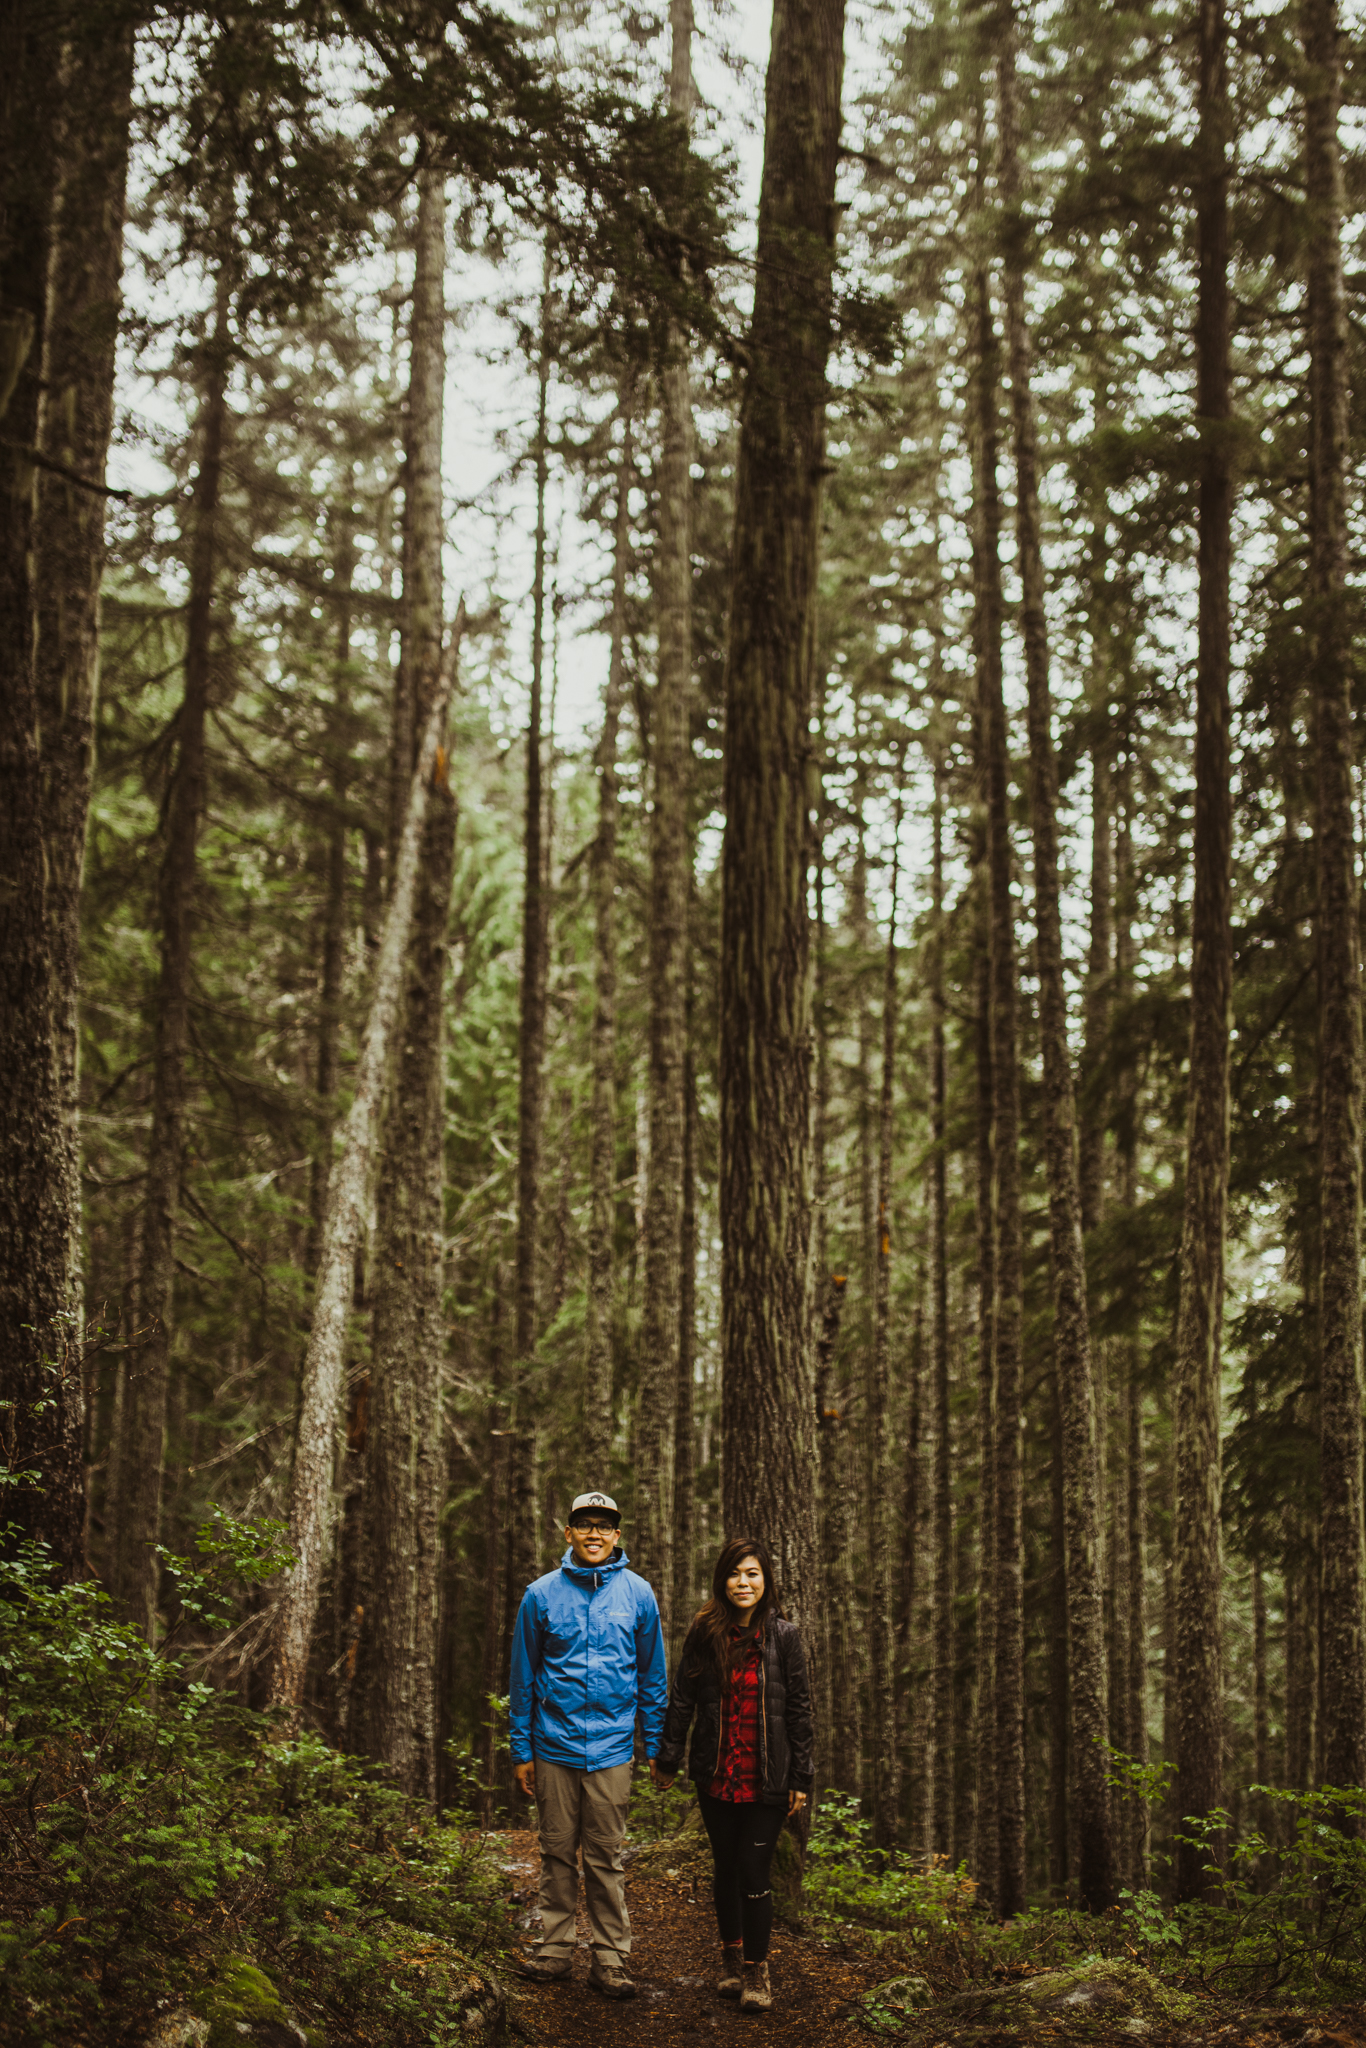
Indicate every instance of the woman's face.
{"type": "Point", "coordinates": [745, 1586]}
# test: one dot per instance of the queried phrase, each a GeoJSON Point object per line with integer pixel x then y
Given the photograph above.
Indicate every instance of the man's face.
{"type": "Point", "coordinates": [591, 1539]}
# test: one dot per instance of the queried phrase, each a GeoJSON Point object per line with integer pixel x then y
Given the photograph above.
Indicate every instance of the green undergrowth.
{"type": "Point", "coordinates": [160, 1844]}
{"type": "Point", "coordinates": [1285, 1920]}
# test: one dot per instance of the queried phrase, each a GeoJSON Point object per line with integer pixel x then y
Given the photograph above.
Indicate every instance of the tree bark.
{"type": "Point", "coordinates": [597, 1389]}
{"type": "Point", "coordinates": [1001, 1811]}
{"type": "Point", "coordinates": [405, 1438]}
{"type": "Point", "coordinates": [334, 896]}
{"type": "Point", "coordinates": [1060, 1829]}
{"type": "Point", "coordinates": [40, 1375]}
{"type": "Point", "coordinates": [685, 1453]}
{"type": "Point", "coordinates": [1342, 1534]}
{"type": "Point", "coordinates": [984, 1828]}
{"type": "Point", "coordinates": [310, 1487]}
{"type": "Point", "coordinates": [1198, 1549]}
{"type": "Point", "coordinates": [96, 88]}
{"type": "Point", "coordinates": [839, 1732]}
{"type": "Point", "coordinates": [765, 992]}
{"type": "Point", "coordinates": [886, 1776]}
{"type": "Point", "coordinates": [136, 1570]}
{"type": "Point", "coordinates": [670, 859]}
{"type": "Point", "coordinates": [531, 1025]}
{"type": "Point", "coordinates": [944, 1731]}
{"type": "Point", "coordinates": [1071, 1332]}
{"type": "Point", "coordinates": [1131, 1352]}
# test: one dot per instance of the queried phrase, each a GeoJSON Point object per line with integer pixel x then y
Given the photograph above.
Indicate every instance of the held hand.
{"type": "Point", "coordinates": [525, 1774]}
{"type": "Point", "coordinates": [796, 1803]}
{"type": "Point", "coordinates": [658, 1779]}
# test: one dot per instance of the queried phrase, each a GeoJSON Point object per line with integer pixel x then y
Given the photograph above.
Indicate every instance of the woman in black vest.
{"type": "Point", "coordinates": [743, 1675]}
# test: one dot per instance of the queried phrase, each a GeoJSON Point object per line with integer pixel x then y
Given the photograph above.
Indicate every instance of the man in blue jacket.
{"type": "Point", "coordinates": [587, 1657]}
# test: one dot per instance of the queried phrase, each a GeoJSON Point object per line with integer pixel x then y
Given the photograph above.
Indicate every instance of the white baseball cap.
{"type": "Point", "coordinates": [602, 1501]}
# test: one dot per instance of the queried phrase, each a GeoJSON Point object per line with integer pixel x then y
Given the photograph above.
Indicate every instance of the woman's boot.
{"type": "Point", "coordinates": [756, 1995]}
{"type": "Point", "coordinates": [728, 1983]}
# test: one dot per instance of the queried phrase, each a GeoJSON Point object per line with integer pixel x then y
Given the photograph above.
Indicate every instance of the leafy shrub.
{"type": "Point", "coordinates": [924, 1903]}
{"type": "Point", "coordinates": [154, 1827]}
{"type": "Point", "coordinates": [1284, 1916]}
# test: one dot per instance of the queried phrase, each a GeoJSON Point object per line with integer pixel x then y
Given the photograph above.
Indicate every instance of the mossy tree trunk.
{"type": "Point", "coordinates": [39, 1365]}
{"type": "Point", "coordinates": [765, 983]}
{"type": "Point", "coordinates": [85, 289]}
{"type": "Point", "coordinates": [670, 863]}
{"type": "Point", "coordinates": [404, 1444]}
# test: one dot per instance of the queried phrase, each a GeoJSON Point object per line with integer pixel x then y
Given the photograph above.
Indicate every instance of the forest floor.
{"type": "Point", "coordinates": [674, 1958]}
{"type": "Point", "coordinates": [817, 1983]}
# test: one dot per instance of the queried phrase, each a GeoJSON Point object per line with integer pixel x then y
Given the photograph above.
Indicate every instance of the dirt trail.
{"type": "Point", "coordinates": [674, 1963]}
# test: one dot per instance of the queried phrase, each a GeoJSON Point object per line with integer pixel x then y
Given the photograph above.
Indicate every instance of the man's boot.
{"type": "Point", "coordinates": [608, 1977]}
{"type": "Point", "coordinates": [756, 1995]}
{"type": "Point", "coordinates": [728, 1983]}
{"type": "Point", "coordinates": [543, 1969]}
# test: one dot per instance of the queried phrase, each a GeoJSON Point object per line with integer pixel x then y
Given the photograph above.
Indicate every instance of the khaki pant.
{"type": "Point", "coordinates": [583, 1810]}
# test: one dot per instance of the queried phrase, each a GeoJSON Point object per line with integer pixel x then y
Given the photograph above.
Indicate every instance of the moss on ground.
{"type": "Point", "coordinates": [1100, 2000]}
{"type": "Point", "coordinates": [245, 2010]}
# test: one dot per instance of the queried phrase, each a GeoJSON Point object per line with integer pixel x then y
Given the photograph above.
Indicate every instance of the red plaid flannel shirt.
{"type": "Point", "coordinates": [739, 1770]}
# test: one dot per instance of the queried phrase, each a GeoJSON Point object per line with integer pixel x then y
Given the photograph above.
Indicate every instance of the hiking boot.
{"type": "Point", "coordinates": [756, 1995]}
{"type": "Point", "coordinates": [543, 1969]}
{"type": "Point", "coordinates": [611, 1980]}
{"type": "Point", "coordinates": [728, 1983]}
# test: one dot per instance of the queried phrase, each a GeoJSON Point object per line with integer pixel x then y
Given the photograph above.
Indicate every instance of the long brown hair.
{"type": "Point", "coordinates": [709, 1637]}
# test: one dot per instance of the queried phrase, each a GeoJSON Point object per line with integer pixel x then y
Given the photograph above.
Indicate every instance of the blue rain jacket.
{"type": "Point", "coordinates": [587, 1657]}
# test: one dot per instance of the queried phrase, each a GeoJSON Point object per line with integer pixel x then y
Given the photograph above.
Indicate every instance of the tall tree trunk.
{"type": "Point", "coordinates": [334, 893]}
{"type": "Point", "coordinates": [1071, 1330]}
{"type": "Point", "coordinates": [685, 1454]}
{"type": "Point", "coordinates": [310, 1487]}
{"type": "Point", "coordinates": [984, 1660]}
{"type": "Point", "coordinates": [670, 755]}
{"type": "Point", "coordinates": [77, 417]}
{"type": "Point", "coordinates": [1060, 1828]}
{"type": "Point", "coordinates": [1342, 1534]}
{"type": "Point", "coordinates": [1301, 1664]}
{"type": "Point", "coordinates": [40, 1379]}
{"type": "Point", "coordinates": [1001, 1821]}
{"type": "Point", "coordinates": [405, 1437]}
{"type": "Point", "coordinates": [913, 1620]}
{"type": "Point", "coordinates": [765, 998]}
{"type": "Point", "coordinates": [495, 1595]}
{"type": "Point", "coordinates": [1130, 1349]}
{"type": "Point", "coordinates": [1099, 966]}
{"type": "Point", "coordinates": [881, 1647]}
{"type": "Point", "coordinates": [62, 171]}
{"type": "Point", "coordinates": [1198, 1549]}
{"type": "Point", "coordinates": [944, 1729]}
{"type": "Point", "coordinates": [1261, 1701]}
{"type": "Point", "coordinates": [136, 1570]}
{"type": "Point", "coordinates": [839, 1730]}
{"type": "Point", "coordinates": [531, 1026]}
{"type": "Point", "coordinates": [597, 1390]}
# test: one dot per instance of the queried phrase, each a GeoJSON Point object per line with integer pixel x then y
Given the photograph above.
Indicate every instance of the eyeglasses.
{"type": "Point", "coordinates": [595, 1528]}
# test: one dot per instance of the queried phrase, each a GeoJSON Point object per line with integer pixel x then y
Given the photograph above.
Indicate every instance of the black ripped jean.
{"type": "Point", "coordinates": [743, 1837]}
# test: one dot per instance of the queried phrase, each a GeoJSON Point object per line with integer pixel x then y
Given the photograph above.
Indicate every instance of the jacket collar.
{"type": "Point", "coordinates": [592, 1574]}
